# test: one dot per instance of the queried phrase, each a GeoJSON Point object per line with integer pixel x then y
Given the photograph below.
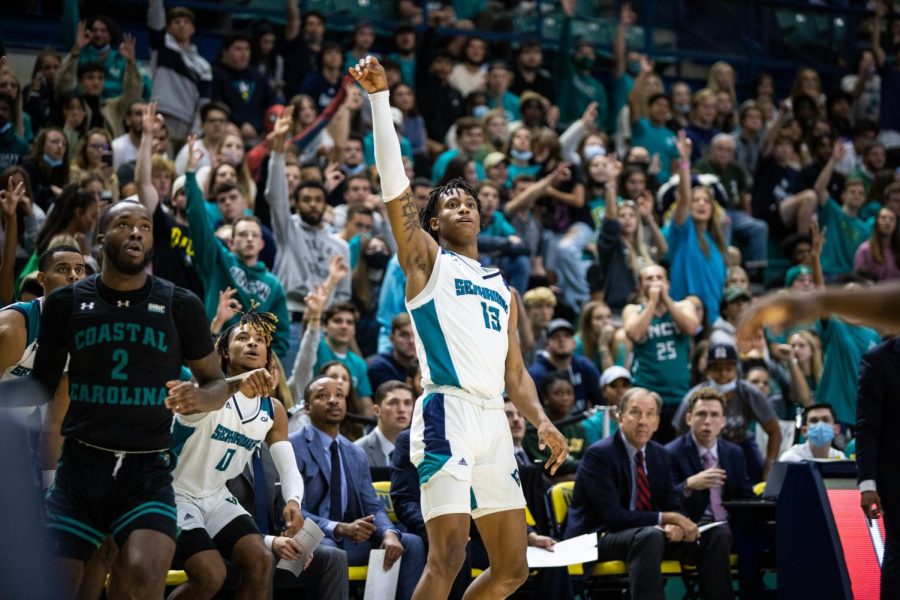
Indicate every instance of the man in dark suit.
{"type": "Point", "coordinates": [878, 451]}
{"type": "Point", "coordinates": [326, 576]}
{"type": "Point", "coordinates": [341, 500]}
{"type": "Point", "coordinates": [705, 469]}
{"type": "Point", "coordinates": [624, 491]}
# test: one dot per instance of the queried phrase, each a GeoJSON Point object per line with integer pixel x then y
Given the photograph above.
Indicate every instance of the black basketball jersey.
{"type": "Point", "coordinates": [120, 358]}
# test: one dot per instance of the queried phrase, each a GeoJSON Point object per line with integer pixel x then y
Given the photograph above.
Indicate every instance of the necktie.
{"type": "Point", "coordinates": [715, 493]}
{"type": "Point", "coordinates": [261, 494]}
{"type": "Point", "coordinates": [643, 484]}
{"type": "Point", "coordinates": [336, 511]}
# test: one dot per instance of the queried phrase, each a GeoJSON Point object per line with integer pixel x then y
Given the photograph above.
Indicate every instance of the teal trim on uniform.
{"type": "Point", "coordinates": [70, 522]}
{"type": "Point", "coordinates": [166, 513]}
{"type": "Point", "coordinates": [76, 533]}
{"type": "Point", "coordinates": [31, 312]}
{"type": "Point", "coordinates": [140, 507]}
{"type": "Point", "coordinates": [180, 435]}
{"type": "Point", "coordinates": [269, 407]}
{"type": "Point", "coordinates": [437, 353]}
{"type": "Point", "coordinates": [472, 502]}
{"type": "Point", "coordinates": [431, 464]}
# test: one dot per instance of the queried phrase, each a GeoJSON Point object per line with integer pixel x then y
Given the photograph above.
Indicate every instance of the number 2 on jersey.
{"type": "Point", "coordinates": [120, 357]}
{"type": "Point", "coordinates": [491, 315]}
{"type": "Point", "coordinates": [666, 350]}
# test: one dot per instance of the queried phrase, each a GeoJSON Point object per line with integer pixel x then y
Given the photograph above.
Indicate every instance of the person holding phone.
{"type": "Point", "coordinates": [94, 156]}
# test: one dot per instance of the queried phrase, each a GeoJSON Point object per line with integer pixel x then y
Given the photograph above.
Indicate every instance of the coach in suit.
{"type": "Point", "coordinates": [255, 490]}
{"type": "Point", "coordinates": [338, 492]}
{"type": "Point", "coordinates": [624, 491]}
{"type": "Point", "coordinates": [705, 469]}
{"type": "Point", "coordinates": [878, 451]}
{"type": "Point", "coordinates": [393, 405]}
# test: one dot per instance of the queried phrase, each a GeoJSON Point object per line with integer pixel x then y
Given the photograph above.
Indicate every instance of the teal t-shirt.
{"type": "Point", "coordinates": [693, 272]}
{"type": "Point", "coordinates": [844, 346]}
{"type": "Point", "coordinates": [407, 68]}
{"type": "Point", "coordinates": [514, 170]}
{"type": "Point", "coordinates": [499, 226]}
{"type": "Point", "coordinates": [845, 234]}
{"type": "Point", "coordinates": [662, 360]}
{"type": "Point", "coordinates": [359, 372]}
{"type": "Point", "coordinates": [593, 428]}
{"type": "Point", "coordinates": [658, 140]}
{"type": "Point", "coordinates": [510, 106]}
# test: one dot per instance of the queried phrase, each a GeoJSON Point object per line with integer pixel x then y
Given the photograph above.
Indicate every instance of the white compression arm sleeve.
{"type": "Point", "coordinates": [387, 148]}
{"type": "Point", "coordinates": [286, 465]}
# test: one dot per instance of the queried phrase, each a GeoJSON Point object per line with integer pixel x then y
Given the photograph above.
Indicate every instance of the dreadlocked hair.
{"type": "Point", "coordinates": [263, 322]}
{"type": "Point", "coordinates": [434, 197]}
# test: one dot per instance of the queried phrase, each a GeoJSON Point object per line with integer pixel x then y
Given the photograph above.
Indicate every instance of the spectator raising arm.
{"type": "Point", "coordinates": [9, 200]}
{"type": "Point", "coordinates": [637, 99]}
{"type": "Point", "coordinates": [821, 185]}
{"type": "Point", "coordinates": [147, 194]}
{"type": "Point", "coordinates": [683, 196]}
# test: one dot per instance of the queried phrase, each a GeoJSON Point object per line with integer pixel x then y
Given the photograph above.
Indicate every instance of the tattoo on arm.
{"type": "Point", "coordinates": [410, 216]}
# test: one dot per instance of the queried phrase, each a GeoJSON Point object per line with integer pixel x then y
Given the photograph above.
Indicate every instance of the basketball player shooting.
{"type": "Point", "coordinates": [466, 342]}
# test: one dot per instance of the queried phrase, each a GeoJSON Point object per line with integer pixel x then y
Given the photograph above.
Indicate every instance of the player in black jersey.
{"type": "Point", "coordinates": [127, 334]}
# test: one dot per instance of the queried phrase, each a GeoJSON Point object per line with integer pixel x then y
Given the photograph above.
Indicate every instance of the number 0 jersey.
{"type": "Point", "coordinates": [219, 445]}
{"type": "Point", "coordinates": [461, 322]}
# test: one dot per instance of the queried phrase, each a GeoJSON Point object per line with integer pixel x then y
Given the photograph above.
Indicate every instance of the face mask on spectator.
{"type": "Point", "coordinates": [53, 162]}
{"type": "Point", "coordinates": [5, 128]}
{"type": "Point", "coordinates": [521, 154]}
{"type": "Point", "coordinates": [683, 108]}
{"type": "Point", "coordinates": [479, 111]}
{"type": "Point", "coordinates": [634, 67]}
{"type": "Point", "coordinates": [232, 157]}
{"type": "Point", "coordinates": [351, 171]}
{"type": "Point", "coordinates": [724, 388]}
{"type": "Point", "coordinates": [820, 434]}
{"type": "Point", "coordinates": [594, 150]}
{"type": "Point", "coordinates": [377, 260]}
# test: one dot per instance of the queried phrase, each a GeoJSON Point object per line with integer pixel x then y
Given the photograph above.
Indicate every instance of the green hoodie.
{"type": "Point", "coordinates": [219, 269]}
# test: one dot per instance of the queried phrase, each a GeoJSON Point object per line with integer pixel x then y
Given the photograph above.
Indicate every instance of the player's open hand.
{"type": "Point", "coordinates": [549, 435]}
{"type": "Point", "coordinates": [258, 382]}
{"type": "Point", "coordinates": [183, 397]}
{"type": "Point", "coordinates": [293, 520]}
{"type": "Point", "coordinates": [286, 548]}
{"type": "Point", "coordinates": [370, 74]}
{"type": "Point", "coordinates": [777, 311]}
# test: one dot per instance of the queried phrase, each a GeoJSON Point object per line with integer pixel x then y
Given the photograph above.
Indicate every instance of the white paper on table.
{"type": "Point", "coordinates": [575, 551]}
{"type": "Point", "coordinates": [708, 526]}
{"type": "Point", "coordinates": [381, 584]}
{"type": "Point", "coordinates": [308, 538]}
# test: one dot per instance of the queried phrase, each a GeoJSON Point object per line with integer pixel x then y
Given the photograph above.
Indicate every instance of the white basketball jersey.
{"type": "Point", "coordinates": [461, 322]}
{"type": "Point", "coordinates": [218, 446]}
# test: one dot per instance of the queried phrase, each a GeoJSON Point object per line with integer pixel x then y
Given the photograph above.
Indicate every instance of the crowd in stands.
{"type": "Point", "coordinates": [634, 217]}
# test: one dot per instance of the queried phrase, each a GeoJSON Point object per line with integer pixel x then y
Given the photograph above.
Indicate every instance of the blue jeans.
{"type": "Point", "coordinates": [293, 349]}
{"type": "Point", "coordinates": [563, 254]}
{"type": "Point", "coordinates": [753, 232]}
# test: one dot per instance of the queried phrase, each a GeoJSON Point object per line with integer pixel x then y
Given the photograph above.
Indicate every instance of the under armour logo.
{"type": "Point", "coordinates": [87, 306]}
{"type": "Point", "coordinates": [121, 303]}
{"type": "Point", "coordinates": [462, 462]}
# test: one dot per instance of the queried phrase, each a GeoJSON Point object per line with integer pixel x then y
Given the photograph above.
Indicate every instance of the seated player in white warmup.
{"type": "Point", "coordinates": [214, 447]}
{"type": "Point", "coordinates": [465, 324]}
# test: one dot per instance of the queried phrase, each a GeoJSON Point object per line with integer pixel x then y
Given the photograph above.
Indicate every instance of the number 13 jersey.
{"type": "Point", "coordinates": [461, 323]}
